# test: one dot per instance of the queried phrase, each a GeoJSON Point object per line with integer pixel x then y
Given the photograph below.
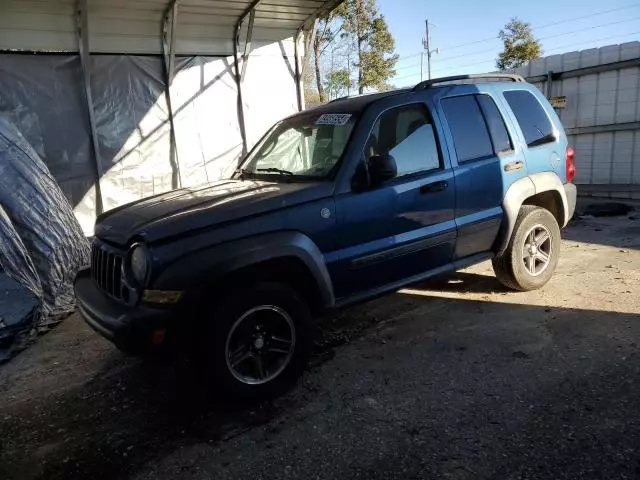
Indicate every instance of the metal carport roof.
{"type": "Point", "coordinates": [133, 26]}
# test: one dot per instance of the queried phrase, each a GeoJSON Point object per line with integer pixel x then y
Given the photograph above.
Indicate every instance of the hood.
{"type": "Point", "coordinates": [187, 209]}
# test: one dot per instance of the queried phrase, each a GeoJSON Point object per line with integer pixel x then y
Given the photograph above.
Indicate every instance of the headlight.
{"type": "Point", "coordinates": [139, 263]}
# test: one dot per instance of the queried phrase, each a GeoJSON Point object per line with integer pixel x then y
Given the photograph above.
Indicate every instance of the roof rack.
{"type": "Point", "coordinates": [429, 83]}
{"type": "Point", "coordinates": [352, 96]}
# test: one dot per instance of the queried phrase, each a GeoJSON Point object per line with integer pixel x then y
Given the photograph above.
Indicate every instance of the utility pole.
{"type": "Point", "coordinates": [426, 23]}
{"type": "Point", "coordinates": [426, 45]}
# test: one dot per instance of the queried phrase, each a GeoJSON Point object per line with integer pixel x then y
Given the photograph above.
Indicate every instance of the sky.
{"type": "Point", "coordinates": [466, 32]}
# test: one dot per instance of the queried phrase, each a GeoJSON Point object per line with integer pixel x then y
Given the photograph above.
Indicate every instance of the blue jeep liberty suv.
{"type": "Point", "coordinates": [332, 206]}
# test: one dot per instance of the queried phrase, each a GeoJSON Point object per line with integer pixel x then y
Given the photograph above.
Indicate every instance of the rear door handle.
{"type": "Point", "coordinates": [434, 187]}
{"type": "Point", "coordinates": [513, 166]}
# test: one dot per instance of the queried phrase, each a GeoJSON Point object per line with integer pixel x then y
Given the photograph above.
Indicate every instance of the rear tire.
{"type": "Point", "coordinates": [533, 251]}
{"type": "Point", "coordinates": [256, 344]}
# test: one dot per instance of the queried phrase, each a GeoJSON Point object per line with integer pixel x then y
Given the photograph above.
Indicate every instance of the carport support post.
{"type": "Point", "coordinates": [239, 76]}
{"type": "Point", "coordinates": [169, 57]}
{"type": "Point", "coordinates": [82, 32]}
{"type": "Point", "coordinates": [247, 45]}
{"type": "Point", "coordinates": [298, 77]}
{"type": "Point", "coordinates": [240, 103]}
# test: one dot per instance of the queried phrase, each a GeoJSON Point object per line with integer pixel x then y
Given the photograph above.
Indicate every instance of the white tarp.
{"type": "Point", "coordinates": [44, 96]}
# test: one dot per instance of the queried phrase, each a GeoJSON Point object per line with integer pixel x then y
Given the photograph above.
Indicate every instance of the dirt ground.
{"type": "Point", "coordinates": [452, 378]}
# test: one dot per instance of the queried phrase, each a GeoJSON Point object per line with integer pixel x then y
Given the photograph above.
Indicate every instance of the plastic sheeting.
{"type": "Point", "coordinates": [133, 127]}
{"type": "Point", "coordinates": [43, 94]}
{"type": "Point", "coordinates": [41, 243]}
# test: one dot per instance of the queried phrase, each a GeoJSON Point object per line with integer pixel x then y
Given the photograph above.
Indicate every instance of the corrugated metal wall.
{"type": "Point", "coordinates": [602, 117]}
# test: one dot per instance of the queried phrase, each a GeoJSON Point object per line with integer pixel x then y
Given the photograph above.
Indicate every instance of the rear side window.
{"type": "Point", "coordinates": [468, 128]}
{"type": "Point", "coordinates": [533, 120]}
{"type": "Point", "coordinates": [495, 122]}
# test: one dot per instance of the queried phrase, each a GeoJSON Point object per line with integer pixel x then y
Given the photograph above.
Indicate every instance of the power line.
{"type": "Point", "coordinates": [586, 16]}
{"type": "Point", "coordinates": [603, 12]}
{"type": "Point", "coordinates": [542, 38]}
{"type": "Point", "coordinates": [597, 40]}
{"type": "Point", "coordinates": [573, 19]}
{"type": "Point", "coordinates": [590, 28]}
{"type": "Point", "coordinates": [413, 55]}
{"type": "Point", "coordinates": [492, 60]}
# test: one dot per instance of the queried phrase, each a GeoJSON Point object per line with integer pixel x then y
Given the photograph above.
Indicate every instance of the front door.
{"type": "Point", "coordinates": [406, 226]}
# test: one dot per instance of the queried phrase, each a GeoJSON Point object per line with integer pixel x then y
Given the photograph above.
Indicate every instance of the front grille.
{"type": "Point", "coordinates": [106, 268]}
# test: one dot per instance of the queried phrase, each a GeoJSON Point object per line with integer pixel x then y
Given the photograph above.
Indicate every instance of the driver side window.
{"type": "Point", "coordinates": [406, 133]}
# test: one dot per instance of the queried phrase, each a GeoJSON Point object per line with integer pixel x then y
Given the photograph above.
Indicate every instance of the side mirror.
{"type": "Point", "coordinates": [381, 169]}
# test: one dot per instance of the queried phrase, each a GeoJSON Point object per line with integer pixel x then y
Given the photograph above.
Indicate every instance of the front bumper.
{"type": "Point", "coordinates": [129, 328]}
{"type": "Point", "coordinates": [571, 193]}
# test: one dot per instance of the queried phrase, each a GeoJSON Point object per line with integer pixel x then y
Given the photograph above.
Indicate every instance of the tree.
{"type": "Point", "coordinates": [308, 80]}
{"type": "Point", "coordinates": [338, 83]}
{"type": "Point", "coordinates": [374, 43]}
{"type": "Point", "coordinates": [325, 34]}
{"type": "Point", "coordinates": [520, 46]}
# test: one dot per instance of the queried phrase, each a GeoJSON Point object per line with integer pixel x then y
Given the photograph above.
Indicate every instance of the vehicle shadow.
{"type": "Point", "coordinates": [131, 411]}
{"type": "Point", "coordinates": [134, 411]}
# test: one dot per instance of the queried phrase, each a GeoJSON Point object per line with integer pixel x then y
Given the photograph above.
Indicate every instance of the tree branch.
{"type": "Point", "coordinates": [329, 41]}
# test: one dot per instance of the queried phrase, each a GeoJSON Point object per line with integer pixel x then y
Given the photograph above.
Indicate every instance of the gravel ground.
{"type": "Point", "coordinates": [453, 378]}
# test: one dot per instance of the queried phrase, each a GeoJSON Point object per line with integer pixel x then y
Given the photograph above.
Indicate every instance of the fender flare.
{"type": "Point", "coordinates": [212, 263]}
{"type": "Point", "coordinates": [525, 188]}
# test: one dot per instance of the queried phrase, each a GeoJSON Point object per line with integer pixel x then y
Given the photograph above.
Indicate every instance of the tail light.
{"type": "Point", "coordinates": [570, 166]}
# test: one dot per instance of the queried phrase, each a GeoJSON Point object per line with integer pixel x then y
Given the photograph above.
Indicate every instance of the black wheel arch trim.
{"type": "Point", "coordinates": [212, 263]}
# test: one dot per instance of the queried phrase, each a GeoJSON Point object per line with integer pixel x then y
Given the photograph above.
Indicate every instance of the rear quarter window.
{"type": "Point", "coordinates": [531, 116]}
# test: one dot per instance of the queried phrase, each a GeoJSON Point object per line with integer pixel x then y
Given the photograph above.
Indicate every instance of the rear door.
{"type": "Point", "coordinates": [404, 227]}
{"type": "Point", "coordinates": [484, 161]}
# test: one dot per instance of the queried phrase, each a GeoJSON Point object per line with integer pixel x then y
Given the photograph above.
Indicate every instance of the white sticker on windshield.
{"type": "Point", "coordinates": [333, 119]}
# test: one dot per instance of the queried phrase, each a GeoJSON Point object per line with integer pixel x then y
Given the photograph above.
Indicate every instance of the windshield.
{"type": "Point", "coordinates": [308, 146]}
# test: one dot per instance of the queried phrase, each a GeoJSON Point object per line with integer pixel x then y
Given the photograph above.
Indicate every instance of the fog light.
{"type": "Point", "coordinates": [161, 296]}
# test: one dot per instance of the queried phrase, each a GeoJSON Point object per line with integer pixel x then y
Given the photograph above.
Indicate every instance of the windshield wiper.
{"type": "Point", "coordinates": [275, 170]}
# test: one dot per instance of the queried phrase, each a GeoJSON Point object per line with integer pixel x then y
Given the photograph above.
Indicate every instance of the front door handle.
{"type": "Point", "coordinates": [434, 187]}
{"type": "Point", "coordinates": [509, 167]}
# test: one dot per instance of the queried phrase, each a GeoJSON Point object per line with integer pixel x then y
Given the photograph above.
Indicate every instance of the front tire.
{"type": "Point", "coordinates": [256, 345]}
{"type": "Point", "coordinates": [533, 251]}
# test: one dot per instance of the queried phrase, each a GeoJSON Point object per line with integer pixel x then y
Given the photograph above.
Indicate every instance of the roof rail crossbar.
{"type": "Point", "coordinates": [428, 83]}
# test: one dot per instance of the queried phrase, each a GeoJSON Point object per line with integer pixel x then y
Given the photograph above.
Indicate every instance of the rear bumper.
{"type": "Point", "coordinates": [130, 328]}
{"type": "Point", "coordinates": [571, 193]}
